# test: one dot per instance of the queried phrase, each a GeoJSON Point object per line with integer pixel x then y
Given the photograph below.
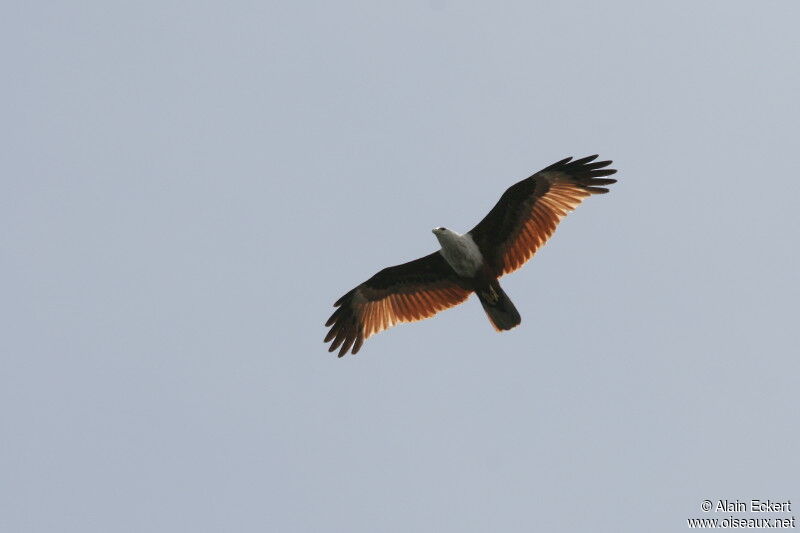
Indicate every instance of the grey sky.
{"type": "Point", "coordinates": [187, 188]}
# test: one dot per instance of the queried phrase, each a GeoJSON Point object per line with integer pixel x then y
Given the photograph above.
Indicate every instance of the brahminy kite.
{"type": "Point", "coordinates": [521, 222]}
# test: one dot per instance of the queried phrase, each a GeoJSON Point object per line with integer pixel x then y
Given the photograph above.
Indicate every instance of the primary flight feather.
{"type": "Point", "coordinates": [523, 219]}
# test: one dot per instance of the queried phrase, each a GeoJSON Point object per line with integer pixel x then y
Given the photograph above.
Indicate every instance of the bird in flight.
{"type": "Point", "coordinates": [523, 219]}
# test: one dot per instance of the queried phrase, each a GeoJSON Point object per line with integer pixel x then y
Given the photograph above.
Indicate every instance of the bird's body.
{"type": "Point", "coordinates": [460, 252]}
{"type": "Point", "coordinates": [518, 225]}
{"type": "Point", "coordinates": [466, 260]}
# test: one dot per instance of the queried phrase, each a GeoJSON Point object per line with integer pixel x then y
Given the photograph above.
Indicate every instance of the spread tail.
{"type": "Point", "coordinates": [499, 308]}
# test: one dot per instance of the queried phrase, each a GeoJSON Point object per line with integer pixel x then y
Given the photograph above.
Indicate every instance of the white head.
{"type": "Point", "coordinates": [459, 251]}
{"type": "Point", "coordinates": [446, 236]}
{"type": "Point", "coordinates": [438, 230]}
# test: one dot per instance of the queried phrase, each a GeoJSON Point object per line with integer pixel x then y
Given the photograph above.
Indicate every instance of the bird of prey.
{"type": "Point", "coordinates": [521, 222]}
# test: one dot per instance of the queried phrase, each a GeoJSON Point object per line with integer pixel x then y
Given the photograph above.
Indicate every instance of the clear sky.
{"type": "Point", "coordinates": [187, 188]}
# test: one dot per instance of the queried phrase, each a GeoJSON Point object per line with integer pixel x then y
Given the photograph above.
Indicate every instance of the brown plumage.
{"type": "Point", "coordinates": [404, 293]}
{"type": "Point", "coordinates": [509, 235]}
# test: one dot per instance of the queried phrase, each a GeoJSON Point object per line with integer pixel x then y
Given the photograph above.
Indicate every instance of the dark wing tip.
{"type": "Point", "coordinates": [344, 326]}
{"type": "Point", "coordinates": [586, 173]}
{"type": "Point", "coordinates": [584, 160]}
{"type": "Point", "coordinates": [601, 181]}
{"type": "Point", "coordinates": [344, 297]}
{"type": "Point", "coordinates": [348, 343]}
{"type": "Point", "coordinates": [357, 345]}
{"type": "Point", "coordinates": [603, 172]}
{"type": "Point", "coordinates": [557, 164]}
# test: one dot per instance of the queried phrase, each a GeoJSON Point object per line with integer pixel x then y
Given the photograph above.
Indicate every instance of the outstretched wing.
{"type": "Point", "coordinates": [404, 293]}
{"type": "Point", "coordinates": [529, 211]}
